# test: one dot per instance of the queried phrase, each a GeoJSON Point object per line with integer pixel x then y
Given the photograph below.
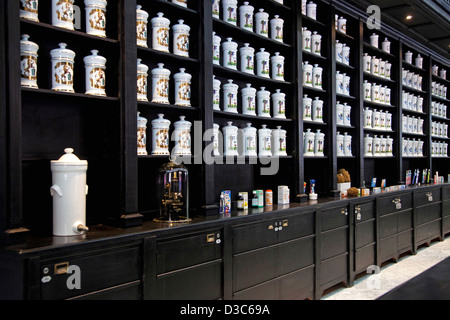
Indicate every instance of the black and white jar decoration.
{"type": "Point", "coordinates": [181, 34]}
{"type": "Point", "coordinates": [182, 88]}
{"type": "Point", "coordinates": [29, 9]}
{"type": "Point", "coordinates": [229, 14]}
{"type": "Point", "coordinates": [230, 96]}
{"type": "Point", "coordinates": [62, 14]}
{"type": "Point", "coordinates": [246, 16]}
{"type": "Point", "coordinates": [249, 141]}
{"type": "Point", "coordinates": [262, 23]}
{"type": "Point", "coordinates": [141, 135]}
{"type": "Point", "coordinates": [279, 104]}
{"type": "Point", "coordinates": [160, 84]}
{"type": "Point", "coordinates": [230, 139]}
{"type": "Point", "coordinates": [263, 103]}
{"type": "Point", "coordinates": [62, 68]}
{"type": "Point", "coordinates": [276, 28]}
{"type": "Point", "coordinates": [264, 141]}
{"type": "Point", "coordinates": [96, 17]}
{"type": "Point", "coordinates": [28, 62]}
{"type": "Point", "coordinates": [160, 32]}
{"type": "Point", "coordinates": [229, 52]}
{"type": "Point", "coordinates": [247, 55]}
{"type": "Point", "coordinates": [95, 75]}
{"type": "Point", "coordinates": [142, 78]}
{"type": "Point", "coordinates": [263, 63]}
{"type": "Point", "coordinates": [182, 137]}
{"type": "Point", "coordinates": [160, 135]}
{"type": "Point", "coordinates": [248, 100]}
{"type": "Point", "coordinates": [141, 27]}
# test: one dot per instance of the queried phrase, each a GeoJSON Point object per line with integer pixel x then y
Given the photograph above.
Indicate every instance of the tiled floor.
{"type": "Point", "coordinates": [372, 286]}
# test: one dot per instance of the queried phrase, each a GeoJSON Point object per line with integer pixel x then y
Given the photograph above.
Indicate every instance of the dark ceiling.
{"type": "Point", "coordinates": [430, 22]}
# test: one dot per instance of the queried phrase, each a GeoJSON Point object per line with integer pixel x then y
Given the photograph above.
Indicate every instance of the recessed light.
{"type": "Point", "coordinates": [409, 17]}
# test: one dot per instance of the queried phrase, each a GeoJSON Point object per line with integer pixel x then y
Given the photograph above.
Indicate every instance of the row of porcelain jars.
{"type": "Point", "coordinates": [342, 83]}
{"type": "Point", "coordinates": [412, 147]}
{"type": "Point", "coordinates": [412, 124]}
{"type": "Point", "coordinates": [385, 45]}
{"type": "Point", "coordinates": [377, 93]}
{"type": "Point", "coordinates": [344, 144]}
{"type": "Point", "coordinates": [343, 114]}
{"type": "Point", "coordinates": [438, 109]}
{"type": "Point", "coordinates": [411, 79]}
{"type": "Point", "coordinates": [377, 119]}
{"type": "Point", "coordinates": [161, 33]}
{"type": "Point", "coordinates": [160, 136]}
{"type": "Point", "coordinates": [439, 149]}
{"type": "Point", "coordinates": [312, 75]}
{"type": "Point", "coordinates": [377, 66]}
{"type": "Point", "coordinates": [342, 53]}
{"type": "Point", "coordinates": [412, 102]}
{"type": "Point", "coordinates": [438, 90]}
{"type": "Point", "coordinates": [378, 146]}
{"type": "Point", "coordinates": [439, 129]}
{"type": "Point", "coordinates": [439, 73]}
{"type": "Point", "coordinates": [312, 109]}
{"type": "Point", "coordinates": [418, 61]}
{"type": "Point", "coordinates": [313, 143]}
{"type": "Point", "coordinates": [63, 14]}
{"type": "Point", "coordinates": [160, 85]}
{"type": "Point", "coordinates": [311, 41]}
{"type": "Point", "coordinates": [309, 9]}
{"type": "Point", "coordinates": [249, 141]}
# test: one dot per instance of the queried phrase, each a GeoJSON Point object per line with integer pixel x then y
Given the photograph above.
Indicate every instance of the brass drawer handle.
{"type": "Point", "coordinates": [344, 211]}
{"type": "Point", "coordinates": [398, 203]}
{"type": "Point", "coordinates": [61, 268]}
{"type": "Point", "coordinates": [358, 212]}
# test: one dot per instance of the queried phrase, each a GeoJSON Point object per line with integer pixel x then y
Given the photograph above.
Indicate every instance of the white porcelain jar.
{"type": "Point", "coordinates": [308, 143]}
{"type": "Point", "coordinates": [387, 70]}
{"type": "Point", "coordinates": [386, 45]}
{"type": "Point", "coordinates": [249, 143]}
{"type": "Point", "coordinates": [142, 77]}
{"type": "Point", "coordinates": [382, 120]}
{"type": "Point", "coordinates": [367, 87]}
{"type": "Point", "coordinates": [409, 79]}
{"type": "Point", "coordinates": [317, 77]}
{"type": "Point", "coordinates": [382, 91]}
{"type": "Point", "coordinates": [307, 108]}
{"type": "Point", "coordinates": [182, 88]}
{"type": "Point", "coordinates": [374, 40]}
{"type": "Point", "coordinates": [96, 17]}
{"type": "Point", "coordinates": [160, 135]}
{"type": "Point", "coordinates": [387, 95]}
{"type": "Point", "coordinates": [409, 124]}
{"type": "Point", "coordinates": [160, 32]}
{"type": "Point", "coordinates": [230, 96]}
{"type": "Point", "coordinates": [29, 9]}
{"type": "Point", "coordinates": [420, 123]}
{"type": "Point", "coordinates": [182, 3]}
{"type": "Point", "coordinates": [216, 9]}
{"type": "Point", "coordinates": [376, 146]}
{"type": "Point", "coordinates": [319, 142]}
{"type": "Point", "coordinates": [69, 190]}
{"type": "Point", "coordinates": [216, 93]}
{"type": "Point", "coordinates": [311, 10]}
{"type": "Point", "coordinates": [346, 54]}
{"type": "Point", "coordinates": [276, 28]}
{"type": "Point", "coordinates": [160, 84]}
{"type": "Point", "coordinates": [414, 103]}
{"type": "Point", "coordinates": [340, 144]}
{"type": "Point", "coordinates": [347, 145]}
{"type": "Point", "coordinates": [247, 55]}
{"type": "Point", "coordinates": [62, 14]}
{"type": "Point", "coordinates": [181, 34]}
{"type": "Point", "coordinates": [264, 141]}
{"type": "Point", "coordinates": [182, 137]}
{"type": "Point", "coordinates": [141, 135]}
{"type": "Point", "coordinates": [368, 114]}
{"type": "Point", "coordinates": [246, 16]}
{"type": "Point", "coordinates": [95, 76]}
{"type": "Point", "coordinates": [415, 125]}
{"type": "Point", "coordinates": [339, 46]}
{"type": "Point", "coordinates": [317, 114]}
{"type": "Point", "coordinates": [383, 146]}
{"type": "Point", "coordinates": [419, 61]}
{"type": "Point", "coordinates": [389, 146]}
{"type": "Point", "coordinates": [279, 104]}
{"type": "Point", "coordinates": [375, 93]}
{"type": "Point", "coordinates": [376, 119]}
{"type": "Point", "coordinates": [404, 74]}
{"type": "Point", "coordinates": [62, 68]}
{"type": "Point", "coordinates": [420, 148]}
{"type": "Point", "coordinates": [404, 147]}
{"type": "Point", "coordinates": [279, 142]}
{"type": "Point", "coordinates": [263, 63]}
{"type": "Point", "coordinates": [346, 83]}
{"type": "Point", "coordinates": [216, 139]}
{"type": "Point", "coordinates": [28, 62]}
{"type": "Point", "coordinates": [410, 99]}
{"type": "Point", "coordinates": [277, 63]}
{"type": "Point", "coordinates": [306, 39]}
{"type": "Point", "coordinates": [263, 102]}
{"type": "Point", "coordinates": [342, 25]}
{"type": "Point", "coordinates": [316, 43]}
{"type": "Point", "coordinates": [304, 7]}
{"type": "Point", "coordinates": [388, 121]}
{"type": "Point", "coordinates": [382, 68]}
{"type": "Point", "coordinates": [443, 74]}
{"type": "Point", "coordinates": [229, 14]}
{"type": "Point", "coordinates": [409, 148]}
{"type": "Point", "coordinates": [339, 83]}
{"type": "Point", "coordinates": [216, 49]}
{"type": "Point", "coordinates": [375, 66]}
{"type": "Point", "coordinates": [404, 123]}
{"type": "Point", "coordinates": [408, 57]}
{"type": "Point", "coordinates": [249, 100]}
{"type": "Point", "coordinates": [368, 146]}
{"type": "Point", "coordinates": [347, 115]}
{"type": "Point", "coordinates": [262, 23]}
{"type": "Point", "coordinates": [141, 26]}
{"type": "Point", "coordinates": [339, 113]}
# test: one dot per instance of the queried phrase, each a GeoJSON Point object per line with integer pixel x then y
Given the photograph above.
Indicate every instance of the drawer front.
{"type": "Point", "coordinates": [333, 243]}
{"type": "Point", "coordinates": [364, 258]}
{"type": "Point", "coordinates": [334, 218]}
{"type": "Point", "coordinates": [446, 208]}
{"type": "Point", "coordinates": [404, 220]}
{"type": "Point", "coordinates": [297, 226]}
{"type": "Point", "coordinates": [190, 250]}
{"type": "Point", "coordinates": [446, 193]}
{"type": "Point", "coordinates": [388, 248]}
{"type": "Point", "coordinates": [364, 211]}
{"type": "Point", "coordinates": [333, 268]}
{"type": "Point", "coordinates": [405, 241]}
{"type": "Point", "coordinates": [428, 213]}
{"type": "Point", "coordinates": [428, 196]}
{"type": "Point", "coordinates": [125, 292]}
{"type": "Point", "coordinates": [296, 254]}
{"type": "Point", "coordinates": [62, 279]}
{"type": "Point", "coordinates": [364, 234]}
{"type": "Point", "coordinates": [388, 204]}
{"type": "Point", "coordinates": [255, 235]}
{"type": "Point", "coordinates": [387, 225]}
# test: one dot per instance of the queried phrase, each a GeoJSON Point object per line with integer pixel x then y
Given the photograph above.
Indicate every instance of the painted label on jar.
{"type": "Point", "coordinates": [141, 138]}
{"type": "Point", "coordinates": [184, 139]}
{"type": "Point", "coordinates": [182, 42]}
{"type": "Point", "coordinates": [162, 88]}
{"type": "Point", "coordinates": [64, 10]}
{"type": "Point", "coordinates": [162, 139]}
{"type": "Point", "coordinates": [64, 73]}
{"type": "Point", "coordinates": [162, 37]}
{"type": "Point", "coordinates": [97, 78]}
{"type": "Point", "coordinates": [29, 5]}
{"type": "Point", "coordinates": [184, 91]}
{"type": "Point", "coordinates": [97, 19]}
{"type": "Point", "coordinates": [142, 85]}
{"type": "Point", "coordinates": [28, 66]}
{"type": "Point", "coordinates": [141, 31]}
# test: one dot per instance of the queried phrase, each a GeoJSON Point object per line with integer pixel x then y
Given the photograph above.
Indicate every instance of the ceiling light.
{"type": "Point", "coordinates": [409, 17]}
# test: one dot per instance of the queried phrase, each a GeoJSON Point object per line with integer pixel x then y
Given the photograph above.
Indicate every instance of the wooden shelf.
{"type": "Point", "coordinates": [76, 95]}
{"type": "Point", "coordinates": [224, 114]}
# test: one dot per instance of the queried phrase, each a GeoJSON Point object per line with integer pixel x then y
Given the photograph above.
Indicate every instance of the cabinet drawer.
{"type": "Point", "coordinates": [333, 268]}
{"type": "Point", "coordinates": [388, 248]}
{"type": "Point", "coordinates": [404, 241]}
{"type": "Point", "coordinates": [364, 211]}
{"type": "Point", "coordinates": [334, 242]}
{"type": "Point", "coordinates": [428, 196]}
{"type": "Point", "coordinates": [404, 220]}
{"type": "Point", "coordinates": [334, 218]}
{"type": "Point", "coordinates": [255, 235]}
{"type": "Point", "coordinates": [93, 272]}
{"type": "Point", "coordinates": [364, 258]}
{"type": "Point", "coordinates": [124, 292]}
{"type": "Point", "coordinates": [446, 208]}
{"type": "Point", "coordinates": [188, 251]}
{"type": "Point", "coordinates": [364, 234]}
{"type": "Point", "coordinates": [297, 226]}
{"type": "Point", "coordinates": [387, 204]}
{"type": "Point", "coordinates": [387, 225]}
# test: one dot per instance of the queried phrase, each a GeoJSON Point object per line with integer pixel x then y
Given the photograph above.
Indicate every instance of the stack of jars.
{"type": "Point", "coordinates": [438, 90]}
{"type": "Point", "coordinates": [439, 129]}
{"type": "Point", "coordinates": [313, 143]}
{"type": "Point", "coordinates": [411, 124]}
{"type": "Point", "coordinates": [438, 109]}
{"type": "Point", "coordinates": [412, 102]}
{"type": "Point", "coordinates": [344, 144]}
{"type": "Point", "coordinates": [439, 149]}
{"type": "Point", "coordinates": [377, 93]}
{"type": "Point", "coordinates": [412, 147]}
{"type": "Point", "coordinates": [342, 84]}
{"type": "Point", "coordinates": [378, 146]}
{"type": "Point", "coordinates": [311, 41]}
{"type": "Point", "coordinates": [376, 66]}
{"type": "Point", "coordinates": [411, 80]}
{"type": "Point", "coordinates": [312, 75]}
{"type": "Point", "coordinates": [377, 119]}
{"type": "Point", "coordinates": [439, 73]}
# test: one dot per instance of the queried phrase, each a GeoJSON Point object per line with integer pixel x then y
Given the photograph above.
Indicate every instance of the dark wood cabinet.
{"type": "Point", "coordinates": [428, 215]}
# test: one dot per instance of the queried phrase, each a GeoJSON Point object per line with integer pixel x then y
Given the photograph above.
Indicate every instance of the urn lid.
{"type": "Point", "coordinates": [141, 14]}
{"type": "Point", "coordinates": [249, 129]}
{"type": "Point", "coordinates": [182, 123]}
{"type": "Point", "coordinates": [261, 13]}
{"type": "Point", "coordinates": [94, 59]}
{"type": "Point", "coordinates": [181, 27]}
{"type": "Point", "coordinates": [68, 159]}
{"type": "Point", "coordinates": [230, 85]}
{"type": "Point", "coordinates": [161, 121]}
{"type": "Point", "coordinates": [62, 52]}
{"type": "Point", "coordinates": [161, 70]}
{"type": "Point", "coordinates": [248, 89]}
{"type": "Point", "coordinates": [247, 6]}
{"type": "Point", "coordinates": [230, 128]}
{"type": "Point", "coordinates": [27, 46]}
{"type": "Point", "coordinates": [97, 3]}
{"type": "Point", "coordinates": [182, 75]}
{"type": "Point", "coordinates": [142, 122]}
{"type": "Point", "coordinates": [141, 67]}
{"type": "Point", "coordinates": [160, 20]}
{"type": "Point", "coordinates": [277, 19]}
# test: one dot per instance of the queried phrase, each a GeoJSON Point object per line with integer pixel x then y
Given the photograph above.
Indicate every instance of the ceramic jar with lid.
{"type": "Point", "coordinates": [346, 54]}
{"type": "Point", "coordinates": [386, 45]}
{"type": "Point", "coordinates": [216, 93]}
{"type": "Point", "coordinates": [277, 62]}
{"type": "Point", "coordinates": [317, 110]}
{"type": "Point", "coordinates": [376, 122]}
{"type": "Point", "coordinates": [419, 61]}
{"type": "Point", "coordinates": [181, 39]}
{"type": "Point", "coordinates": [160, 84]}
{"type": "Point", "coordinates": [95, 66]}
{"type": "Point", "coordinates": [248, 100]}
{"type": "Point", "coordinates": [230, 95]}
{"type": "Point", "coordinates": [434, 70]}
{"type": "Point", "coordinates": [339, 83]}
{"type": "Point", "coordinates": [347, 145]}
{"type": "Point", "coordinates": [141, 26]}
{"type": "Point", "coordinates": [367, 88]}
{"type": "Point", "coordinates": [339, 47]}
{"type": "Point", "coordinates": [375, 66]}
{"type": "Point", "coordinates": [408, 57]}
{"type": "Point", "coordinates": [141, 135]}
{"type": "Point", "coordinates": [69, 190]}
{"type": "Point", "coordinates": [216, 49]}
{"type": "Point", "coordinates": [443, 74]}
{"type": "Point", "coordinates": [246, 16]}
{"type": "Point", "coordinates": [182, 3]}
{"type": "Point", "coordinates": [62, 68]}
{"type": "Point", "coordinates": [160, 135]}
{"type": "Point", "coordinates": [264, 141]}
{"type": "Point", "coordinates": [182, 88]}
{"type": "Point", "coordinates": [347, 115]}
{"type": "Point", "coordinates": [316, 43]}
{"type": "Point", "coordinates": [29, 9]}
{"type": "Point", "coordinates": [279, 142]}
{"type": "Point", "coordinates": [308, 143]}
{"type": "Point", "coordinates": [374, 40]}
{"type": "Point", "coordinates": [279, 104]}
{"type": "Point", "coordinates": [62, 14]}
{"type": "Point", "coordinates": [319, 141]}
{"type": "Point", "coordinates": [307, 74]}
{"type": "Point", "coordinates": [339, 113]}
{"type": "Point", "coordinates": [28, 62]}
{"type": "Point", "coordinates": [262, 23]}
{"type": "Point", "coordinates": [387, 70]}
{"type": "Point", "coordinates": [182, 137]}
{"type": "Point", "coordinates": [216, 139]}
{"type": "Point", "coordinates": [263, 102]}
{"type": "Point", "coordinates": [307, 108]}
{"type": "Point", "coordinates": [276, 28]}
{"type": "Point", "coordinates": [339, 144]}
{"type": "Point", "coordinates": [96, 17]}
{"type": "Point", "coordinates": [311, 10]}
{"type": "Point", "coordinates": [160, 32]}
{"type": "Point", "coordinates": [368, 146]}
{"type": "Point", "coordinates": [249, 143]}
{"type": "Point", "coordinates": [342, 25]}
{"type": "Point", "coordinates": [375, 93]}
{"type": "Point", "coordinates": [229, 8]}
{"type": "Point", "coordinates": [230, 139]}
{"type": "Point", "coordinates": [389, 146]}
{"type": "Point", "coordinates": [247, 55]}
{"type": "Point", "coordinates": [346, 83]}
{"type": "Point", "coordinates": [229, 52]}
{"type": "Point", "coordinates": [306, 39]}
{"type": "Point", "coordinates": [263, 63]}
{"type": "Point", "coordinates": [368, 113]}
{"type": "Point", "coordinates": [376, 146]}
{"type": "Point", "coordinates": [142, 76]}
{"type": "Point", "coordinates": [367, 62]}
{"type": "Point", "coordinates": [317, 77]}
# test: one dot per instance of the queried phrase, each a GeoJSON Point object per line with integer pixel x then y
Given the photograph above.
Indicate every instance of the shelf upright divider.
{"type": "Point", "coordinates": [359, 106]}
{"type": "Point", "coordinates": [397, 102]}
{"type": "Point", "coordinates": [428, 64]}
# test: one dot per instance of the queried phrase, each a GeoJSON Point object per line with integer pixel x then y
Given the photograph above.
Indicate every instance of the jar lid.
{"type": "Point", "coordinates": [141, 66]}
{"type": "Point", "coordinates": [182, 75]}
{"type": "Point", "coordinates": [62, 52]}
{"type": "Point", "coordinates": [28, 46]}
{"type": "Point", "coordinates": [182, 122]}
{"type": "Point", "coordinates": [160, 19]}
{"type": "Point", "coordinates": [161, 120]}
{"type": "Point", "coordinates": [68, 159]}
{"type": "Point", "coordinates": [141, 13]}
{"type": "Point", "coordinates": [99, 3]}
{"type": "Point", "coordinates": [161, 70]}
{"type": "Point", "coordinates": [181, 26]}
{"type": "Point", "coordinates": [94, 58]}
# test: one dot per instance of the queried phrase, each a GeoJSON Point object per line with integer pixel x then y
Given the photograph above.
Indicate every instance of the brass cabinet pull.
{"type": "Point", "coordinates": [430, 196]}
{"type": "Point", "coordinates": [61, 268]}
{"type": "Point", "coordinates": [358, 212]}
{"type": "Point", "coordinates": [344, 211]}
{"type": "Point", "coordinates": [398, 203]}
